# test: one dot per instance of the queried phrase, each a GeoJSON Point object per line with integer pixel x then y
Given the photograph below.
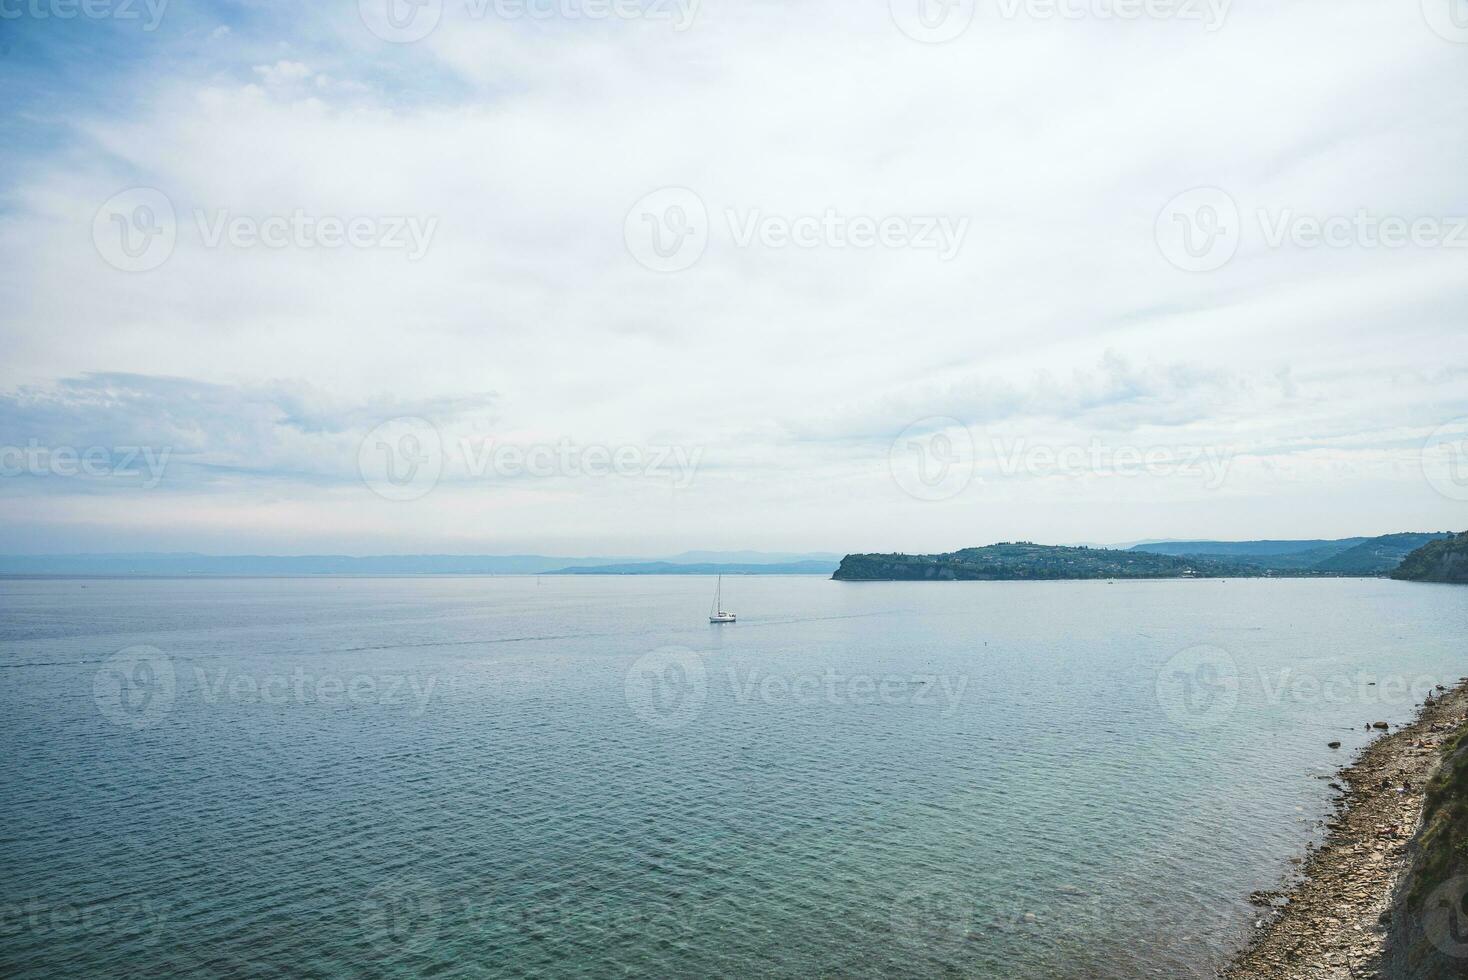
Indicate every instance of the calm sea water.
{"type": "Point", "coordinates": [581, 777]}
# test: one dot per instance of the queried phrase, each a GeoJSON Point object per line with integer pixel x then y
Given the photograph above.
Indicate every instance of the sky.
{"type": "Point", "coordinates": [635, 277]}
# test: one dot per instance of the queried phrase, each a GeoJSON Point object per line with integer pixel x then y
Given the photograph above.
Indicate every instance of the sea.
{"type": "Point", "coordinates": [579, 776]}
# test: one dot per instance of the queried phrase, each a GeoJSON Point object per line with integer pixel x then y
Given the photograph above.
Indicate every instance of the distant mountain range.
{"type": "Point", "coordinates": [1175, 559]}
{"type": "Point", "coordinates": [706, 562]}
{"type": "Point", "coordinates": [1021, 560]}
{"type": "Point", "coordinates": [1244, 548]}
{"type": "Point", "coordinates": [816, 566]}
{"type": "Point", "coordinates": [1345, 556]}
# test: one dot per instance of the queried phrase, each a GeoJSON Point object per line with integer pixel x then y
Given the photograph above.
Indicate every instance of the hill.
{"type": "Point", "coordinates": [1246, 549]}
{"type": "Point", "coordinates": [1377, 556]}
{"type": "Point", "coordinates": [1176, 559]}
{"type": "Point", "coordinates": [1345, 556]}
{"type": "Point", "coordinates": [1025, 561]}
{"type": "Point", "coordinates": [1444, 560]}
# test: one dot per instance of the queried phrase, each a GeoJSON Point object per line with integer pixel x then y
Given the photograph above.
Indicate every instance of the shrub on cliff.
{"type": "Point", "coordinates": [1443, 844]}
{"type": "Point", "coordinates": [1444, 560]}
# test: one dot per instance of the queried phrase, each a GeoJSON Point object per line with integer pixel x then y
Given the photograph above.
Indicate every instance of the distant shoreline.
{"type": "Point", "coordinates": [226, 576]}
{"type": "Point", "coordinates": [253, 566]}
{"type": "Point", "coordinates": [385, 576]}
{"type": "Point", "coordinates": [1026, 560]}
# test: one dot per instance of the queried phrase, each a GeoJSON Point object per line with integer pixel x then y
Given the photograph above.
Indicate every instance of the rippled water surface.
{"type": "Point", "coordinates": [581, 777]}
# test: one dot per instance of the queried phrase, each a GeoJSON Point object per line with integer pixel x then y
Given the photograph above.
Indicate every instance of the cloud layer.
{"type": "Point", "coordinates": [525, 319]}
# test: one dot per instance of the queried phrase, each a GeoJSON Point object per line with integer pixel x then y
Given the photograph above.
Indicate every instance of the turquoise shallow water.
{"type": "Point", "coordinates": [580, 777]}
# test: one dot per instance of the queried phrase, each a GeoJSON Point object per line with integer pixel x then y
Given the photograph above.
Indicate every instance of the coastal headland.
{"type": "Point", "coordinates": [1027, 561]}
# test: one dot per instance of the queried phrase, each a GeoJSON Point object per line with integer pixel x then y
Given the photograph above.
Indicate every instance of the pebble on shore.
{"type": "Point", "coordinates": [1336, 912]}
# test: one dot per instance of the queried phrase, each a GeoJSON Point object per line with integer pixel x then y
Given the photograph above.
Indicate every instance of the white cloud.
{"type": "Point", "coordinates": [1060, 141]}
{"type": "Point", "coordinates": [283, 73]}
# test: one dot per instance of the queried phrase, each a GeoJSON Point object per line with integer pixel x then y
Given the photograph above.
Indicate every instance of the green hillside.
{"type": "Point", "coordinates": [1444, 560]}
{"type": "Point", "coordinates": [1377, 556]}
{"type": "Point", "coordinates": [1347, 556]}
{"type": "Point", "coordinates": [1025, 561]}
{"type": "Point", "coordinates": [1249, 549]}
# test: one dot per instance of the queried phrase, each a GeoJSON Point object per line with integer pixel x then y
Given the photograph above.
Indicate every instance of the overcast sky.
{"type": "Point", "coordinates": [585, 277]}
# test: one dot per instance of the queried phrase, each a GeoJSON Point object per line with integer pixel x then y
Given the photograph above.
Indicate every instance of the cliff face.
{"type": "Point", "coordinates": [1445, 560]}
{"type": "Point", "coordinates": [1427, 938]}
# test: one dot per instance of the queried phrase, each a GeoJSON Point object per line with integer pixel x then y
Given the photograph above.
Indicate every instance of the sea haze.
{"type": "Point", "coordinates": [195, 564]}
{"type": "Point", "coordinates": [579, 776]}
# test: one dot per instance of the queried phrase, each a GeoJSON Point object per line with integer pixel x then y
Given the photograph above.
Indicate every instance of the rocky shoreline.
{"type": "Point", "coordinates": [1334, 923]}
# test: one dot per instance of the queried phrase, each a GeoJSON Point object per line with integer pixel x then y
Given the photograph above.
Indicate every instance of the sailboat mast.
{"type": "Point", "coordinates": [717, 614]}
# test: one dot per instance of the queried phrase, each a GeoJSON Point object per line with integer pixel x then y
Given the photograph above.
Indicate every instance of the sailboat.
{"type": "Point", "coordinates": [716, 611]}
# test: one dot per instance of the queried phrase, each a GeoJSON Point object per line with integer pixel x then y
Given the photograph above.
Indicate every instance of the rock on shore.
{"type": "Point", "coordinates": [1352, 916]}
